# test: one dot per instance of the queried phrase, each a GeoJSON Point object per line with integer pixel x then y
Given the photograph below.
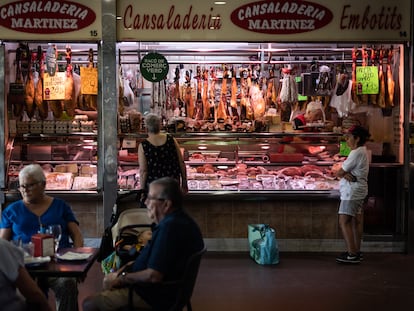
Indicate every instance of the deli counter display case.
{"type": "Point", "coordinates": [241, 162]}
{"type": "Point", "coordinates": [69, 161]}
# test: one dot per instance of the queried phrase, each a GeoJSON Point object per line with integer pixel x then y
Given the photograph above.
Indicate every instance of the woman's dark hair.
{"type": "Point", "coordinates": [361, 132]}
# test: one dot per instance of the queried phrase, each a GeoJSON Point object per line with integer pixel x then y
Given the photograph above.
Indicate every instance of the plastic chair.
{"type": "Point", "coordinates": [184, 286]}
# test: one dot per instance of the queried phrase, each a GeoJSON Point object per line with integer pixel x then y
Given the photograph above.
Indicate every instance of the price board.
{"type": "Point", "coordinates": [54, 86]}
{"type": "Point", "coordinates": [154, 67]}
{"type": "Point", "coordinates": [367, 80]}
{"type": "Point", "coordinates": [89, 80]}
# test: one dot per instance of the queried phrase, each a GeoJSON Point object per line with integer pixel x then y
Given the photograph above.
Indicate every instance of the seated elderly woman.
{"type": "Point", "coordinates": [34, 212]}
{"type": "Point", "coordinates": [314, 113]}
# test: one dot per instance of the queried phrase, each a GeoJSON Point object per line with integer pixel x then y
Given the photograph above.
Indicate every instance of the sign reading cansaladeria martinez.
{"type": "Point", "coordinates": [50, 20]}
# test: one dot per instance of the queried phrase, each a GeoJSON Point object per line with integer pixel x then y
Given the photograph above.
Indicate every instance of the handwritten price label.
{"type": "Point", "coordinates": [54, 86]}
{"type": "Point", "coordinates": [89, 80]}
{"type": "Point", "coordinates": [367, 80]}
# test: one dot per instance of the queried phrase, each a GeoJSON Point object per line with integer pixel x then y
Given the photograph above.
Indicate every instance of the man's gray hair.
{"type": "Point", "coordinates": [33, 170]}
{"type": "Point", "coordinates": [170, 190]}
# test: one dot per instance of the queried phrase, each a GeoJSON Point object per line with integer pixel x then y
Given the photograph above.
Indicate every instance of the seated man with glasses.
{"type": "Point", "coordinates": [175, 238]}
{"type": "Point", "coordinates": [34, 213]}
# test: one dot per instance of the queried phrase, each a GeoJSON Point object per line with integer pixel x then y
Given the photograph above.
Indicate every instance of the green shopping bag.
{"type": "Point", "coordinates": [263, 244]}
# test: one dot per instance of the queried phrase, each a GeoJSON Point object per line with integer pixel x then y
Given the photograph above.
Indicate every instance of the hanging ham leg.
{"type": "Point", "coordinates": [188, 98]}
{"type": "Point", "coordinates": [41, 105]}
{"type": "Point", "coordinates": [381, 78]}
{"type": "Point", "coordinates": [212, 96]}
{"type": "Point", "coordinates": [221, 109]}
{"type": "Point", "coordinates": [364, 97]}
{"type": "Point", "coordinates": [29, 91]}
{"type": "Point", "coordinates": [69, 102]}
{"type": "Point", "coordinates": [390, 82]}
{"type": "Point", "coordinates": [199, 112]}
{"type": "Point", "coordinates": [354, 92]}
{"type": "Point", "coordinates": [204, 97]}
{"type": "Point", "coordinates": [373, 97]}
{"type": "Point", "coordinates": [243, 85]}
{"type": "Point", "coordinates": [233, 98]}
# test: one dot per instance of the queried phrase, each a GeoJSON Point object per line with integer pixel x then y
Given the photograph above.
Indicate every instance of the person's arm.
{"type": "Point", "coordinates": [123, 279]}
{"type": "Point", "coordinates": [6, 234]}
{"type": "Point", "coordinates": [75, 234]}
{"type": "Point", "coordinates": [29, 289]}
{"type": "Point", "coordinates": [143, 167]}
{"type": "Point", "coordinates": [343, 174]}
{"type": "Point", "coordinates": [184, 185]}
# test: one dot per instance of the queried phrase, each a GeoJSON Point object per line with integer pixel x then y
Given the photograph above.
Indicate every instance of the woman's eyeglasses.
{"type": "Point", "coordinates": [28, 186]}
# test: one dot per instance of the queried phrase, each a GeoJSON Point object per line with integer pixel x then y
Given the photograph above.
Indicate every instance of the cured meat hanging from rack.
{"type": "Point", "coordinates": [55, 106]}
{"type": "Point", "coordinates": [41, 105]}
{"type": "Point", "coordinates": [179, 104]}
{"type": "Point", "coordinates": [188, 96]}
{"type": "Point", "coordinates": [204, 97]}
{"type": "Point", "coordinates": [364, 97]}
{"type": "Point", "coordinates": [212, 95]}
{"type": "Point", "coordinates": [390, 81]}
{"type": "Point", "coordinates": [341, 97]}
{"type": "Point", "coordinates": [16, 92]}
{"type": "Point", "coordinates": [155, 101]}
{"type": "Point", "coordinates": [233, 97]}
{"type": "Point", "coordinates": [257, 101]}
{"type": "Point", "coordinates": [199, 111]}
{"type": "Point", "coordinates": [121, 104]}
{"type": "Point", "coordinates": [249, 107]}
{"type": "Point", "coordinates": [243, 92]}
{"type": "Point", "coordinates": [69, 102]}
{"type": "Point", "coordinates": [271, 89]}
{"type": "Point", "coordinates": [288, 94]}
{"type": "Point", "coordinates": [354, 93]}
{"type": "Point", "coordinates": [373, 97]}
{"type": "Point", "coordinates": [29, 91]}
{"type": "Point", "coordinates": [221, 109]}
{"type": "Point", "coordinates": [381, 78]}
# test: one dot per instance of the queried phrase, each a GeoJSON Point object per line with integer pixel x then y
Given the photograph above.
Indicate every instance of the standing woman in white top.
{"type": "Point", "coordinates": [353, 187]}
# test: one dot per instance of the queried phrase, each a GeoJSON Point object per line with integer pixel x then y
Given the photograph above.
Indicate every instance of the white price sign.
{"type": "Point", "coordinates": [54, 86]}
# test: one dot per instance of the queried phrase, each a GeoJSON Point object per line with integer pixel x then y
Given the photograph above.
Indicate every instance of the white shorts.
{"type": "Point", "coordinates": [351, 207]}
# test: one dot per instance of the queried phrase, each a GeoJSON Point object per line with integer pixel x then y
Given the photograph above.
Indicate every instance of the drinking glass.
{"type": "Point", "coordinates": [56, 231]}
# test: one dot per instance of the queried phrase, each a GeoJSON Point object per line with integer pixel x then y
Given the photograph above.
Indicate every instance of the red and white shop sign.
{"type": "Point", "coordinates": [266, 20]}
{"type": "Point", "coordinates": [281, 17]}
{"type": "Point", "coordinates": [51, 19]}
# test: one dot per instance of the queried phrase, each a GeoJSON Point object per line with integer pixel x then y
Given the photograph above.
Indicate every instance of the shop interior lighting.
{"type": "Point", "coordinates": [202, 147]}
{"type": "Point", "coordinates": [220, 2]}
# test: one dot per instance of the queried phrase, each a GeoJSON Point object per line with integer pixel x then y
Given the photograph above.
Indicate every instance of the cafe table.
{"type": "Point", "coordinates": [65, 268]}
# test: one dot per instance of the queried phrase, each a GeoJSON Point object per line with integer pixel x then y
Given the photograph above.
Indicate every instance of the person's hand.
{"type": "Point", "coordinates": [349, 177]}
{"type": "Point", "coordinates": [109, 280]}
